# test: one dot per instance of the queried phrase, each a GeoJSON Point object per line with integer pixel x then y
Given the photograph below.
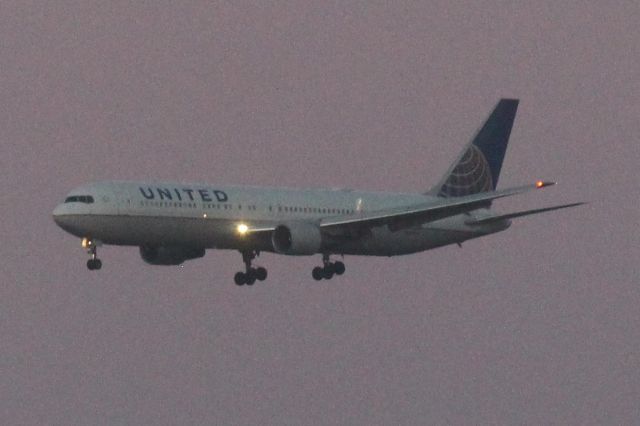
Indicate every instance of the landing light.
{"type": "Point", "coordinates": [86, 243]}
{"type": "Point", "coordinates": [539, 184]}
{"type": "Point", "coordinates": [242, 228]}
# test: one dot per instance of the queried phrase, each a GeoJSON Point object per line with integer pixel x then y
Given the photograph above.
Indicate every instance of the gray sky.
{"type": "Point", "coordinates": [536, 325]}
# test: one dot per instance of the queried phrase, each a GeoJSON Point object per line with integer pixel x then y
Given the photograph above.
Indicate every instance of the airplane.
{"type": "Point", "coordinates": [173, 222]}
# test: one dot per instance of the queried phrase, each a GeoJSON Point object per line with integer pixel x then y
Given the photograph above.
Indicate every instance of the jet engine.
{"type": "Point", "coordinates": [297, 239]}
{"type": "Point", "coordinates": [169, 255]}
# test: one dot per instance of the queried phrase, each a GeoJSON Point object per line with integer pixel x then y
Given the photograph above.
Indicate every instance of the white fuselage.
{"type": "Point", "coordinates": [207, 216]}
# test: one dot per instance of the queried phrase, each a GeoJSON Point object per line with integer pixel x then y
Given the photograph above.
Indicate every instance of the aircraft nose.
{"type": "Point", "coordinates": [58, 214]}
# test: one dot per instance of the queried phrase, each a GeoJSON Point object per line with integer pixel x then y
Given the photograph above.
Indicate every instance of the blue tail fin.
{"type": "Point", "coordinates": [477, 168]}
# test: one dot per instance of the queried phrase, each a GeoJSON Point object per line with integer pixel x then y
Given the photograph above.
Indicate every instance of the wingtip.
{"type": "Point", "coordinates": [543, 184]}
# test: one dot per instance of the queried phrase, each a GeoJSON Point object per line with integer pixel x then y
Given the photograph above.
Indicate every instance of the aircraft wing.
{"type": "Point", "coordinates": [520, 214]}
{"type": "Point", "coordinates": [398, 218]}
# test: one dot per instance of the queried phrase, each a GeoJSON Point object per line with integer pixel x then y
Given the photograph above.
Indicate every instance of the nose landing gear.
{"type": "Point", "coordinates": [94, 263]}
{"type": "Point", "coordinates": [328, 270]}
{"type": "Point", "coordinates": [252, 274]}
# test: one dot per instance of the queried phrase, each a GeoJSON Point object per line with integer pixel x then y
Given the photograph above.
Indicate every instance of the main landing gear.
{"type": "Point", "coordinates": [328, 270]}
{"type": "Point", "coordinates": [252, 274]}
{"type": "Point", "coordinates": [92, 248]}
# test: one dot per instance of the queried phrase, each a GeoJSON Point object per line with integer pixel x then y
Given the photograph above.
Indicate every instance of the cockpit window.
{"type": "Point", "coordinates": [87, 199]}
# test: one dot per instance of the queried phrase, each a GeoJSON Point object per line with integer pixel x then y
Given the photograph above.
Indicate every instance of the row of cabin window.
{"type": "Point", "coordinates": [192, 205]}
{"type": "Point", "coordinates": [167, 204]}
{"type": "Point", "coordinates": [286, 209]}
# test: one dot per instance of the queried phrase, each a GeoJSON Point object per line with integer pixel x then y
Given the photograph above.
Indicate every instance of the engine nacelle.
{"type": "Point", "coordinates": [297, 239]}
{"type": "Point", "coordinates": [169, 255]}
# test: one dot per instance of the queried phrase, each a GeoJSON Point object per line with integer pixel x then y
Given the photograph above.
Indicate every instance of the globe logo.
{"type": "Point", "coordinates": [470, 176]}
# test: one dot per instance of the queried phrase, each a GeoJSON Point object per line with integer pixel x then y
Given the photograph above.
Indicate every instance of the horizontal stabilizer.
{"type": "Point", "coordinates": [520, 214]}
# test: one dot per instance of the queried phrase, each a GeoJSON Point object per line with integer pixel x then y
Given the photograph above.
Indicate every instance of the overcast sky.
{"type": "Point", "coordinates": [539, 324]}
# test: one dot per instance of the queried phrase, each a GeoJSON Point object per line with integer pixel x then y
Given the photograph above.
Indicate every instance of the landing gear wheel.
{"type": "Point", "coordinates": [91, 246]}
{"type": "Point", "coordinates": [251, 274]}
{"type": "Point", "coordinates": [317, 273]}
{"type": "Point", "coordinates": [327, 272]}
{"type": "Point", "coordinates": [261, 273]}
{"type": "Point", "coordinates": [240, 278]}
{"type": "Point", "coordinates": [94, 264]}
{"type": "Point", "coordinates": [329, 268]}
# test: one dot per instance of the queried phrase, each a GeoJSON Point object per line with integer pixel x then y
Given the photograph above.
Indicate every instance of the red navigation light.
{"type": "Point", "coordinates": [543, 184]}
